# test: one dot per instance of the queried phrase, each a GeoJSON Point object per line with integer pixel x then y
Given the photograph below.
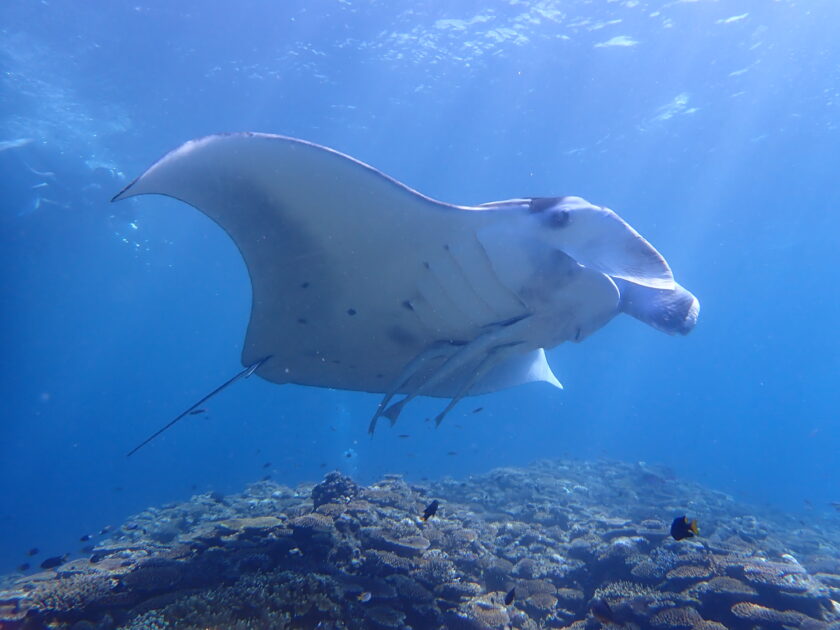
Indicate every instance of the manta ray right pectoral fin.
{"type": "Point", "coordinates": [241, 374]}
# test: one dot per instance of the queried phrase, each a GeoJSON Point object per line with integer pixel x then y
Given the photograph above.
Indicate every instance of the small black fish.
{"type": "Point", "coordinates": [430, 510]}
{"type": "Point", "coordinates": [53, 562]}
{"type": "Point", "coordinates": [23, 567]}
{"type": "Point", "coordinates": [511, 595]}
{"type": "Point", "coordinates": [683, 528]}
{"type": "Point", "coordinates": [601, 611]}
{"type": "Point", "coordinates": [195, 412]}
{"type": "Point", "coordinates": [478, 410]}
{"type": "Point", "coordinates": [85, 538]}
{"type": "Point", "coordinates": [403, 435]}
{"type": "Point", "coordinates": [33, 552]}
{"type": "Point", "coordinates": [267, 465]}
{"type": "Point", "coordinates": [452, 453]}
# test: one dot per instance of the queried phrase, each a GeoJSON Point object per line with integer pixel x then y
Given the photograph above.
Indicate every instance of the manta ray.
{"type": "Point", "coordinates": [362, 283]}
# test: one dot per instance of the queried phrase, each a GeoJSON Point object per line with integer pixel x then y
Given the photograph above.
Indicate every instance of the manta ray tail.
{"type": "Point", "coordinates": [242, 374]}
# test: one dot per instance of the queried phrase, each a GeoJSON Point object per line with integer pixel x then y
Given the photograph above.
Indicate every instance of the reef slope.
{"type": "Point", "coordinates": [582, 545]}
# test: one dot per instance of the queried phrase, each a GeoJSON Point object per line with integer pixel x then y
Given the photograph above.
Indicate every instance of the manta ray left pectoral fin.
{"type": "Point", "coordinates": [519, 369]}
{"type": "Point", "coordinates": [241, 374]}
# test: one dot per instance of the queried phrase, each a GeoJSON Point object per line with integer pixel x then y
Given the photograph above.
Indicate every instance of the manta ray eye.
{"type": "Point", "coordinates": [557, 218]}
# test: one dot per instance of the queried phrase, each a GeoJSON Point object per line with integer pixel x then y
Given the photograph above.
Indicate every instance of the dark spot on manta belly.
{"type": "Point", "coordinates": [351, 311]}
{"type": "Point", "coordinates": [407, 304]}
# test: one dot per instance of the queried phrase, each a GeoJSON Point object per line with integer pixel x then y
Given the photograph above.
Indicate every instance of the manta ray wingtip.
{"type": "Point", "coordinates": [122, 194]}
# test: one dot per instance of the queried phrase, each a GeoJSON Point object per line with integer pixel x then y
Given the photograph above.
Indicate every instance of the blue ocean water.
{"type": "Point", "coordinates": [712, 127]}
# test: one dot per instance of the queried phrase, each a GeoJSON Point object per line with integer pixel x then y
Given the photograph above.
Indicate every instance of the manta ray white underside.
{"type": "Point", "coordinates": [362, 283]}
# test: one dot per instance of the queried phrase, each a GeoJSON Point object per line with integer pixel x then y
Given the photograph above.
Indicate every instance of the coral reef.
{"type": "Point", "coordinates": [577, 545]}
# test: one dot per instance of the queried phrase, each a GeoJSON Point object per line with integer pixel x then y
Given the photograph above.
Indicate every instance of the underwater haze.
{"type": "Point", "coordinates": [712, 127]}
